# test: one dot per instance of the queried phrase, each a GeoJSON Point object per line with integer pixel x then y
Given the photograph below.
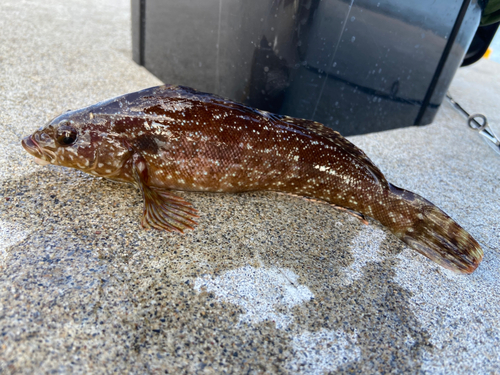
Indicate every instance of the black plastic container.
{"type": "Point", "coordinates": [357, 66]}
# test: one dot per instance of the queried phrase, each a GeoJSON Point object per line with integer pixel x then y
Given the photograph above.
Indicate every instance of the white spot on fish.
{"type": "Point", "coordinates": [141, 166]}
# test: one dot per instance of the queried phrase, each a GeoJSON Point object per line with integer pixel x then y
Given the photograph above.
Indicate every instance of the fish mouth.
{"type": "Point", "coordinates": [33, 148]}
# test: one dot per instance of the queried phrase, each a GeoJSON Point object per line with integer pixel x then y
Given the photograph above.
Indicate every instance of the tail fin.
{"type": "Point", "coordinates": [434, 234]}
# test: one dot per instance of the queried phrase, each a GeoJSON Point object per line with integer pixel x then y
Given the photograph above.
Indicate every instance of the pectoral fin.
{"type": "Point", "coordinates": [162, 209]}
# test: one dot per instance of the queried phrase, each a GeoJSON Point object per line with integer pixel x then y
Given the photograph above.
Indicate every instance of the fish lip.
{"type": "Point", "coordinates": [31, 146]}
{"type": "Point", "coordinates": [34, 149]}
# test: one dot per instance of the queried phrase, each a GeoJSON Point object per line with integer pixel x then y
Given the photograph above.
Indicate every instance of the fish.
{"type": "Point", "coordinates": [169, 138]}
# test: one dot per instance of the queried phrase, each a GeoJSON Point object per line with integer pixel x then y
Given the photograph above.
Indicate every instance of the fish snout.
{"type": "Point", "coordinates": [31, 147]}
{"type": "Point", "coordinates": [34, 149]}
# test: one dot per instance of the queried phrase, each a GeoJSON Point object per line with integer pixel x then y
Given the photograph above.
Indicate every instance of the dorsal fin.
{"type": "Point", "coordinates": [336, 138]}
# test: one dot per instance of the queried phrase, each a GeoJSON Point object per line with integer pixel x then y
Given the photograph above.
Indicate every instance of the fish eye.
{"type": "Point", "coordinates": [66, 135]}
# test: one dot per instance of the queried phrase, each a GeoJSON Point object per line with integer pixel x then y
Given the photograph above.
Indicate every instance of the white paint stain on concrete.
{"type": "Point", "coordinates": [260, 292]}
{"type": "Point", "coordinates": [322, 351]}
{"type": "Point", "coordinates": [364, 248]}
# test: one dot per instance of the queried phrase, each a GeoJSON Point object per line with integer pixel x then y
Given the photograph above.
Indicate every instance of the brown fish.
{"type": "Point", "coordinates": [176, 138]}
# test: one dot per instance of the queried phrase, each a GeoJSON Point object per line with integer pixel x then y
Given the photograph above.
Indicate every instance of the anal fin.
{"type": "Point", "coordinates": [353, 213]}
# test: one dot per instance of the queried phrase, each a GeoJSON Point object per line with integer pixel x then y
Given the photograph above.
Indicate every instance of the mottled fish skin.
{"type": "Point", "coordinates": [175, 138]}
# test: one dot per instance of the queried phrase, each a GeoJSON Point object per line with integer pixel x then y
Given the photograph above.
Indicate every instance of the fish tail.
{"type": "Point", "coordinates": [430, 231]}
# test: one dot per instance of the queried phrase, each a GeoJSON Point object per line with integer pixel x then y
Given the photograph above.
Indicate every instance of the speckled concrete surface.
{"type": "Point", "coordinates": [267, 282]}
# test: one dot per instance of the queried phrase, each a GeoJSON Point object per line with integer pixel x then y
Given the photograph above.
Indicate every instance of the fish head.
{"type": "Point", "coordinates": [80, 140]}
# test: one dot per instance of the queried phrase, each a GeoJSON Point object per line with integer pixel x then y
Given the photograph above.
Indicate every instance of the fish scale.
{"type": "Point", "coordinates": [175, 138]}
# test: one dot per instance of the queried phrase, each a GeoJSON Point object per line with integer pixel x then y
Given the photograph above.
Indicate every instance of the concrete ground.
{"type": "Point", "coordinates": [266, 282]}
